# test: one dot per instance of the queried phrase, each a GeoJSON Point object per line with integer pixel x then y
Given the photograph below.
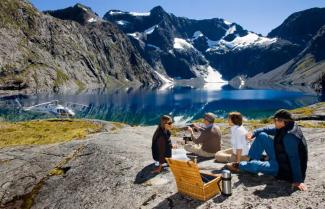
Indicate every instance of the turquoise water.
{"type": "Point", "coordinates": [144, 106]}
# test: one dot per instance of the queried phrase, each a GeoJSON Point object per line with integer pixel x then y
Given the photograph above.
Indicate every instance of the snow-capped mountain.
{"type": "Point", "coordinates": [75, 48]}
{"type": "Point", "coordinates": [184, 48]}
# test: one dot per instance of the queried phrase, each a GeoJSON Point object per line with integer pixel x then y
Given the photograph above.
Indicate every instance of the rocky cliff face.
{"type": "Point", "coordinates": [307, 68]}
{"type": "Point", "coordinates": [300, 27]}
{"type": "Point", "coordinates": [39, 52]}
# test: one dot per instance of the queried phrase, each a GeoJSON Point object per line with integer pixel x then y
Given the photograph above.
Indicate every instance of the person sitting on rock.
{"type": "Point", "coordinates": [286, 148]}
{"type": "Point", "coordinates": [240, 146]}
{"type": "Point", "coordinates": [161, 143]}
{"type": "Point", "coordinates": [208, 143]}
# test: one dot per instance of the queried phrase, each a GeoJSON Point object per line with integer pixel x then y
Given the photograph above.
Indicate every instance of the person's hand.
{"type": "Point", "coordinates": [249, 136]}
{"type": "Point", "coordinates": [190, 129]}
{"type": "Point", "coordinates": [157, 170]}
{"type": "Point", "coordinates": [195, 125]}
{"type": "Point", "coordinates": [174, 146]}
{"type": "Point", "coordinates": [299, 186]}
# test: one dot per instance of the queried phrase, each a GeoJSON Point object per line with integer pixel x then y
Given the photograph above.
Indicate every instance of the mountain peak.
{"type": "Point", "coordinates": [79, 13]}
{"type": "Point", "coordinates": [157, 10]}
{"type": "Point", "coordinates": [301, 26]}
{"type": "Point", "coordinates": [81, 6]}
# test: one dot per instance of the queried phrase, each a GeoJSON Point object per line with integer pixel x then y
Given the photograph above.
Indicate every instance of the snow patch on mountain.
{"type": "Point", "coordinates": [135, 35]}
{"type": "Point", "coordinates": [227, 22]}
{"type": "Point", "coordinates": [116, 12]}
{"type": "Point", "coordinates": [251, 39]}
{"type": "Point", "coordinates": [182, 44]}
{"type": "Point", "coordinates": [231, 30]}
{"type": "Point", "coordinates": [164, 78]}
{"type": "Point", "coordinates": [122, 22]}
{"type": "Point", "coordinates": [213, 76]}
{"type": "Point", "coordinates": [151, 29]}
{"type": "Point", "coordinates": [139, 13]}
{"type": "Point", "coordinates": [92, 20]}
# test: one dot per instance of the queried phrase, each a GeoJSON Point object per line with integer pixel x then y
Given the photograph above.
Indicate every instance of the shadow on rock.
{"type": "Point", "coordinates": [274, 188]}
{"type": "Point", "coordinates": [178, 201]}
{"type": "Point", "coordinates": [145, 174]}
{"type": "Point", "coordinates": [220, 198]}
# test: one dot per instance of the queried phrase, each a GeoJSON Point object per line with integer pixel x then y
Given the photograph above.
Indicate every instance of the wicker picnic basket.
{"type": "Point", "coordinates": [191, 182]}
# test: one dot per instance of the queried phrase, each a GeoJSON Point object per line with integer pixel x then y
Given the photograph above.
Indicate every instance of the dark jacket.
{"type": "Point", "coordinates": [161, 145]}
{"type": "Point", "coordinates": [291, 152]}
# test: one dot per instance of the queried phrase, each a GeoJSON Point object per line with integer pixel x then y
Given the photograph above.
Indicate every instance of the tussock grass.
{"type": "Point", "coordinates": [310, 124]}
{"type": "Point", "coordinates": [307, 111]}
{"type": "Point", "coordinates": [118, 125]}
{"type": "Point", "coordinates": [40, 132]}
{"type": "Point", "coordinates": [217, 120]}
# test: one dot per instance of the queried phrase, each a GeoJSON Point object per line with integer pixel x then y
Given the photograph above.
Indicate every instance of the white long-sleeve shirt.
{"type": "Point", "coordinates": [238, 139]}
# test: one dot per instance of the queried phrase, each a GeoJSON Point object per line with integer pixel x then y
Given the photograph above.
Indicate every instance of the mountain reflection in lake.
{"type": "Point", "coordinates": [144, 106]}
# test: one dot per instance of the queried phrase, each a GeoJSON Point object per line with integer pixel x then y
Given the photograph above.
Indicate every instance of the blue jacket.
{"type": "Point", "coordinates": [295, 153]}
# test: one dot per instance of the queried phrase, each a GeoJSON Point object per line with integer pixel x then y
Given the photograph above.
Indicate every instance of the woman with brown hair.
{"type": "Point", "coordinates": [240, 146]}
{"type": "Point", "coordinates": [161, 143]}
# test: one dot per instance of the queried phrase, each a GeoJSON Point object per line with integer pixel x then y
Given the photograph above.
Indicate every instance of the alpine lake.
{"type": "Point", "coordinates": [144, 106]}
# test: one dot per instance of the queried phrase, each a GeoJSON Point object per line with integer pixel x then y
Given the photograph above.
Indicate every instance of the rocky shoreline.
{"type": "Point", "coordinates": [111, 169]}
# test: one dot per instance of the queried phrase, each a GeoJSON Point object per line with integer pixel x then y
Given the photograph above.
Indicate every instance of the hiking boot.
{"type": "Point", "coordinates": [233, 167]}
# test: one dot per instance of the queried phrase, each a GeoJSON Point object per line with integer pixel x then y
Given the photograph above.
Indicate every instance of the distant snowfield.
{"type": "Point", "coordinates": [249, 39]}
{"type": "Point", "coordinates": [182, 44]}
{"type": "Point", "coordinates": [139, 13]}
{"type": "Point", "coordinates": [213, 76]}
{"type": "Point", "coordinates": [227, 22]}
{"type": "Point", "coordinates": [151, 29]}
{"type": "Point", "coordinates": [131, 13]}
{"type": "Point", "coordinates": [116, 12]}
{"type": "Point", "coordinates": [231, 30]}
{"type": "Point", "coordinates": [92, 20]}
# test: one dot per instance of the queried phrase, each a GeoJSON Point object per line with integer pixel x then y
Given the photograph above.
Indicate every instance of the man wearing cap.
{"type": "Point", "coordinates": [208, 143]}
{"type": "Point", "coordinates": [286, 148]}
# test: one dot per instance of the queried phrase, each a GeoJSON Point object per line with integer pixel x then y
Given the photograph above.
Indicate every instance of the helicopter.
{"type": "Point", "coordinates": [53, 107]}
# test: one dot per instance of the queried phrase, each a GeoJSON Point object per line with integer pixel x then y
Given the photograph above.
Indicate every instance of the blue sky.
{"type": "Point", "coordinates": [260, 16]}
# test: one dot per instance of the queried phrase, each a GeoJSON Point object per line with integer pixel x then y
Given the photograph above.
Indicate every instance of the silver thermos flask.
{"type": "Point", "coordinates": [226, 182]}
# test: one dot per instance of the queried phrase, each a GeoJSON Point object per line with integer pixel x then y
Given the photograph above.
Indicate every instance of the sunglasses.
{"type": "Point", "coordinates": [280, 120]}
{"type": "Point", "coordinates": [169, 123]}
